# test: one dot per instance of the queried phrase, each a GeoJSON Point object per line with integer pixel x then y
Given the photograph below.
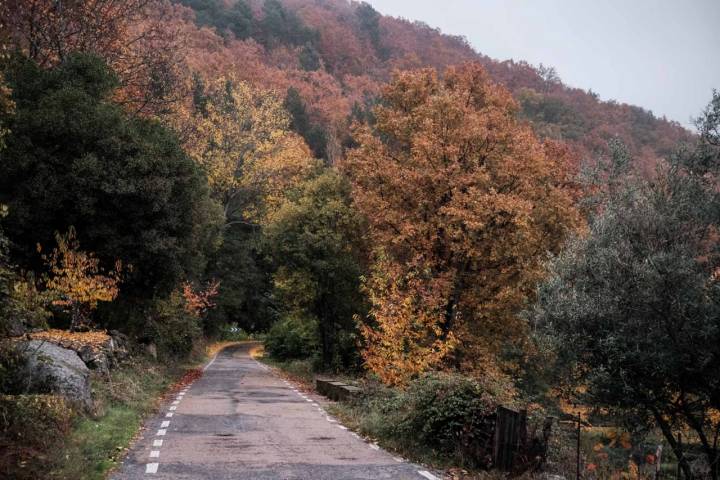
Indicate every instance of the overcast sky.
{"type": "Point", "coordinates": [663, 55]}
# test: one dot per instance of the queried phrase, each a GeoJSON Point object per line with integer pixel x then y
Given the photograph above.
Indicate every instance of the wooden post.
{"type": "Point", "coordinates": [679, 459]}
{"type": "Point", "coordinates": [577, 449]}
{"type": "Point", "coordinates": [658, 461]}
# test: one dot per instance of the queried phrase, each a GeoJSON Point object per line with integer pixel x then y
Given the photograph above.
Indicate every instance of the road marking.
{"type": "Point", "coordinates": [155, 454]}
{"type": "Point", "coordinates": [398, 459]}
{"type": "Point", "coordinates": [151, 467]}
{"type": "Point", "coordinates": [342, 427]}
{"type": "Point", "coordinates": [211, 362]}
{"type": "Point", "coordinates": [307, 399]}
{"type": "Point", "coordinates": [330, 419]}
{"type": "Point", "coordinates": [428, 475]}
{"type": "Point", "coordinates": [374, 446]}
{"type": "Point", "coordinates": [169, 414]}
{"type": "Point", "coordinates": [157, 443]}
{"type": "Point", "coordinates": [176, 402]}
{"type": "Point", "coordinates": [165, 424]}
{"type": "Point", "coordinates": [174, 407]}
{"type": "Point", "coordinates": [161, 432]}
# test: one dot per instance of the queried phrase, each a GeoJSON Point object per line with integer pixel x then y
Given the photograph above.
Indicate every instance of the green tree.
{"type": "Point", "coordinates": [245, 296]}
{"type": "Point", "coordinates": [369, 20]}
{"type": "Point", "coordinates": [634, 306]}
{"type": "Point", "coordinates": [309, 58]}
{"type": "Point", "coordinates": [76, 159]}
{"type": "Point", "coordinates": [282, 26]}
{"type": "Point", "coordinates": [237, 19]}
{"type": "Point", "coordinates": [315, 243]}
{"type": "Point", "coordinates": [314, 135]}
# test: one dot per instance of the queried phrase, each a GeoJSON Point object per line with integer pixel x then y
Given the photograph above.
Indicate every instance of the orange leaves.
{"type": "Point", "coordinates": [200, 301]}
{"type": "Point", "coordinates": [137, 38]}
{"type": "Point", "coordinates": [465, 203]}
{"type": "Point", "coordinates": [76, 280]}
{"type": "Point", "coordinates": [408, 339]}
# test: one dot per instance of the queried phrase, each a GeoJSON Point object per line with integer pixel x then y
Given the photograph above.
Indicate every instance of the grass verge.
{"type": "Point", "coordinates": [97, 443]}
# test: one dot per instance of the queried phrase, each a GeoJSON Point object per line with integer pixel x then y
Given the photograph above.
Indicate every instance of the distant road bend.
{"type": "Point", "coordinates": [239, 421]}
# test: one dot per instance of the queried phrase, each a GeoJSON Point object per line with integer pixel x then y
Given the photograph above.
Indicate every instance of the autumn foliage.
{"type": "Point", "coordinates": [240, 136]}
{"type": "Point", "coordinates": [140, 39]}
{"type": "Point", "coordinates": [198, 302]}
{"type": "Point", "coordinates": [464, 203]}
{"type": "Point", "coordinates": [76, 280]}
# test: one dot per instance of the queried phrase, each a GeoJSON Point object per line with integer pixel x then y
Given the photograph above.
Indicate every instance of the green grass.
{"type": "Point", "coordinates": [299, 370]}
{"type": "Point", "coordinates": [97, 443]}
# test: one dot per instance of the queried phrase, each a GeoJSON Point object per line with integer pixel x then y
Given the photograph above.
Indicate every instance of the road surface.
{"type": "Point", "coordinates": [240, 421]}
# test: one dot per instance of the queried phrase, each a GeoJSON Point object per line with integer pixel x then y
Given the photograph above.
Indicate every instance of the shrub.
{"type": "Point", "coordinates": [446, 414]}
{"type": "Point", "coordinates": [173, 329]}
{"type": "Point", "coordinates": [31, 426]}
{"type": "Point", "coordinates": [292, 338]}
{"type": "Point", "coordinates": [232, 332]}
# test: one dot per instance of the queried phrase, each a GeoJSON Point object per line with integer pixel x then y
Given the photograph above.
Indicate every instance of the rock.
{"type": "Point", "coordinates": [119, 347]}
{"type": "Point", "coordinates": [51, 368]}
{"type": "Point", "coordinates": [15, 328]}
{"type": "Point", "coordinates": [94, 359]}
{"type": "Point", "coordinates": [151, 349]}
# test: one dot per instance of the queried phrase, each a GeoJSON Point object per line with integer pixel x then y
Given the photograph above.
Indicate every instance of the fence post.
{"type": "Point", "coordinates": [658, 461]}
{"type": "Point", "coordinates": [577, 449]}
{"type": "Point", "coordinates": [679, 460]}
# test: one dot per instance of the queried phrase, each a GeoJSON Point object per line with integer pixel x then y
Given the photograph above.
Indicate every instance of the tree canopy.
{"type": "Point", "coordinates": [463, 204]}
{"type": "Point", "coordinates": [76, 159]}
{"type": "Point", "coordinates": [633, 306]}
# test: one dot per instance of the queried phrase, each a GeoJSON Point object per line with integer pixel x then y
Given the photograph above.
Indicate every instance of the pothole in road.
{"type": "Point", "coordinates": [321, 438]}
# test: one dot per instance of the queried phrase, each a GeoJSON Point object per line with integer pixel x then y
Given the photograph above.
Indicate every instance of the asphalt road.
{"type": "Point", "coordinates": [240, 421]}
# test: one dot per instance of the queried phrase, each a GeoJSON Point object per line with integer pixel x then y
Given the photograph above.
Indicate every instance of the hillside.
{"type": "Point", "coordinates": [337, 54]}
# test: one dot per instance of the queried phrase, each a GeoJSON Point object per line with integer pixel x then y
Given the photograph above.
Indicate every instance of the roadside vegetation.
{"type": "Point", "coordinates": [376, 202]}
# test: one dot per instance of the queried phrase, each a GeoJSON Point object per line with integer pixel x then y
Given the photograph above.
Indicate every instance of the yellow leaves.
{"type": "Point", "coordinates": [76, 280]}
{"type": "Point", "coordinates": [241, 137]}
{"type": "Point", "coordinates": [407, 339]}
{"type": "Point", "coordinates": [94, 339]}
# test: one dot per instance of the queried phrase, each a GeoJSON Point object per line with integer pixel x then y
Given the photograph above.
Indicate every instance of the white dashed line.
{"type": "Point", "coordinates": [176, 402]}
{"type": "Point", "coordinates": [211, 362]}
{"type": "Point", "coordinates": [169, 414]}
{"type": "Point", "coordinates": [342, 427]}
{"type": "Point", "coordinates": [165, 424]}
{"type": "Point", "coordinates": [155, 454]}
{"type": "Point", "coordinates": [157, 443]}
{"type": "Point", "coordinates": [151, 467]}
{"type": "Point", "coordinates": [161, 432]}
{"type": "Point", "coordinates": [331, 420]}
{"type": "Point", "coordinates": [397, 459]}
{"type": "Point", "coordinates": [174, 407]}
{"type": "Point", "coordinates": [374, 446]}
{"type": "Point", "coordinates": [428, 475]}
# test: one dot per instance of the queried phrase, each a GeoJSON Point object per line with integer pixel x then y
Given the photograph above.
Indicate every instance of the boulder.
{"type": "Point", "coordinates": [98, 349]}
{"type": "Point", "coordinates": [51, 368]}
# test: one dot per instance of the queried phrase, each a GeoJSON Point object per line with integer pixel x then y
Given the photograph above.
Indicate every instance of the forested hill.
{"type": "Point", "coordinates": [335, 54]}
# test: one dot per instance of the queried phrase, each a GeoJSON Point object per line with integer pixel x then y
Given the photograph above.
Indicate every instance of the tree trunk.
{"type": "Point", "coordinates": [677, 449]}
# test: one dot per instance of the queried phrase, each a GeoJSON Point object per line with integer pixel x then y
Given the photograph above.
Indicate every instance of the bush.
{"type": "Point", "coordinates": [232, 332]}
{"type": "Point", "coordinates": [439, 413]}
{"type": "Point", "coordinates": [173, 329]}
{"type": "Point", "coordinates": [31, 426]}
{"type": "Point", "coordinates": [292, 338]}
